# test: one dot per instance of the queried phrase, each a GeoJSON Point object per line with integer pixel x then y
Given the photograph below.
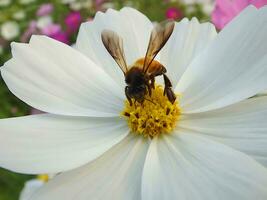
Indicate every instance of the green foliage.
{"type": "Point", "coordinates": [11, 184]}
{"type": "Point", "coordinates": [10, 106]}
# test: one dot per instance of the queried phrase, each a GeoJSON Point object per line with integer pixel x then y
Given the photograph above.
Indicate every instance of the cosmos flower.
{"type": "Point", "coordinates": [19, 15]}
{"type": "Point", "coordinates": [61, 36]}
{"type": "Point", "coordinates": [9, 30]}
{"type": "Point", "coordinates": [4, 3]}
{"type": "Point", "coordinates": [211, 142]}
{"type": "Point", "coordinates": [31, 186]}
{"type": "Point", "coordinates": [31, 29]}
{"type": "Point", "coordinates": [226, 10]}
{"type": "Point", "coordinates": [68, 1]}
{"type": "Point", "coordinates": [173, 13]}
{"type": "Point", "coordinates": [55, 31]}
{"type": "Point", "coordinates": [51, 29]}
{"type": "Point", "coordinates": [45, 9]}
{"type": "Point", "coordinates": [44, 21]}
{"type": "Point", "coordinates": [207, 5]}
{"type": "Point", "coordinates": [26, 2]}
{"type": "Point", "coordinates": [73, 21]}
{"type": "Point", "coordinates": [196, 1]}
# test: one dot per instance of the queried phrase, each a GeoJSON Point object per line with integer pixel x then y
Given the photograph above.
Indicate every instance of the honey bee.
{"type": "Point", "coordinates": [140, 77]}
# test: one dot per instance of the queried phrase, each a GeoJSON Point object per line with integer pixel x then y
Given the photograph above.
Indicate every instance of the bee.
{"type": "Point", "coordinates": [140, 77]}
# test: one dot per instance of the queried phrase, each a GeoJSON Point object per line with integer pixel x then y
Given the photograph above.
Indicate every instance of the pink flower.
{"type": "Point", "coordinates": [32, 29]}
{"type": "Point", "coordinates": [61, 36]}
{"type": "Point", "coordinates": [51, 29]}
{"type": "Point", "coordinates": [226, 10]}
{"type": "Point", "coordinates": [258, 3]}
{"type": "Point", "coordinates": [73, 21]}
{"type": "Point", "coordinates": [98, 4]}
{"type": "Point", "coordinates": [45, 9]}
{"type": "Point", "coordinates": [54, 31]}
{"type": "Point", "coordinates": [173, 13]}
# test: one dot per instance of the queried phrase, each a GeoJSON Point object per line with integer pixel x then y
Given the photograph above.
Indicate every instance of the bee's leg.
{"type": "Point", "coordinates": [158, 72]}
{"type": "Point", "coordinates": [127, 95]}
{"type": "Point", "coordinates": [148, 88]}
{"type": "Point", "coordinates": [142, 103]}
{"type": "Point", "coordinates": [152, 82]}
{"type": "Point", "coordinates": [167, 83]}
{"type": "Point", "coordinates": [168, 89]}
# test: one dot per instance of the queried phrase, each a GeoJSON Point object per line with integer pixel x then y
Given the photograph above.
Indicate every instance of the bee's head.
{"type": "Point", "coordinates": [135, 79]}
{"type": "Point", "coordinates": [137, 92]}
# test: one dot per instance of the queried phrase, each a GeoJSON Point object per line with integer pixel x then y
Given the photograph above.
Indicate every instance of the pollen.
{"type": "Point", "coordinates": [43, 177]}
{"type": "Point", "coordinates": [156, 115]}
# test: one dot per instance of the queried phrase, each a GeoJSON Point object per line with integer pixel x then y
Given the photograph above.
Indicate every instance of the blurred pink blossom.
{"type": "Point", "coordinates": [98, 4]}
{"type": "Point", "coordinates": [73, 21]}
{"type": "Point", "coordinates": [32, 29]}
{"type": "Point", "coordinates": [45, 9]}
{"type": "Point", "coordinates": [51, 29]}
{"type": "Point", "coordinates": [173, 13]}
{"type": "Point", "coordinates": [258, 3]}
{"type": "Point", "coordinates": [61, 36]}
{"type": "Point", "coordinates": [54, 31]}
{"type": "Point", "coordinates": [226, 10]}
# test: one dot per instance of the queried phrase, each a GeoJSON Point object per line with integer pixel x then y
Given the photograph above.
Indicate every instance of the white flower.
{"type": "Point", "coordinates": [19, 15]}
{"type": "Point", "coordinates": [68, 1]}
{"type": "Point", "coordinates": [31, 186]}
{"type": "Point", "coordinates": [208, 8]}
{"type": "Point", "coordinates": [76, 6]}
{"type": "Point", "coordinates": [87, 4]}
{"type": "Point", "coordinates": [208, 5]}
{"type": "Point", "coordinates": [10, 30]}
{"type": "Point", "coordinates": [44, 21]}
{"type": "Point", "coordinates": [4, 3]}
{"type": "Point", "coordinates": [107, 5]}
{"type": "Point", "coordinates": [198, 1]}
{"type": "Point", "coordinates": [25, 2]}
{"type": "Point", "coordinates": [218, 149]}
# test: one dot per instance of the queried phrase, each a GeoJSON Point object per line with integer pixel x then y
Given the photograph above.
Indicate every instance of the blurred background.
{"type": "Point", "coordinates": [60, 19]}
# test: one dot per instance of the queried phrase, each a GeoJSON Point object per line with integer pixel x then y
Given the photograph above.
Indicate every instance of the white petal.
{"type": "Point", "coordinates": [232, 68]}
{"type": "Point", "coordinates": [49, 144]}
{"type": "Point", "coordinates": [242, 126]}
{"type": "Point", "coordinates": [115, 175]}
{"type": "Point", "coordinates": [30, 187]}
{"type": "Point", "coordinates": [130, 24]}
{"type": "Point", "coordinates": [187, 41]}
{"type": "Point", "coordinates": [55, 78]}
{"type": "Point", "coordinates": [186, 166]}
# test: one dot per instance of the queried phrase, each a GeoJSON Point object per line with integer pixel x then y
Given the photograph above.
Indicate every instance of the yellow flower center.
{"type": "Point", "coordinates": [156, 115]}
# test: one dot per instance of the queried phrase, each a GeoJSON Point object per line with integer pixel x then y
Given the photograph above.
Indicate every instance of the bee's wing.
{"type": "Point", "coordinates": [158, 38]}
{"type": "Point", "coordinates": [114, 45]}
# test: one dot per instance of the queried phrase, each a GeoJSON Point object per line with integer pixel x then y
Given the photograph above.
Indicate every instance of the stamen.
{"type": "Point", "coordinates": [43, 177]}
{"type": "Point", "coordinates": [156, 115]}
